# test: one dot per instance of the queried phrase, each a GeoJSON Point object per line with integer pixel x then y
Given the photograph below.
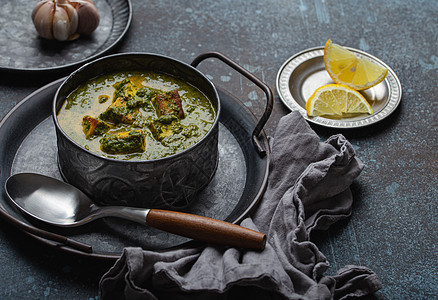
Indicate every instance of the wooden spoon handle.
{"type": "Point", "coordinates": [206, 229]}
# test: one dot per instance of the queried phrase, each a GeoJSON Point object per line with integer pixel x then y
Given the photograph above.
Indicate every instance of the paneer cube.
{"type": "Point", "coordinates": [125, 142]}
{"type": "Point", "coordinates": [124, 89]}
{"type": "Point", "coordinates": [164, 126]}
{"type": "Point", "coordinates": [142, 98]}
{"type": "Point", "coordinates": [118, 112]}
{"type": "Point", "coordinates": [94, 127]}
{"type": "Point", "coordinates": [168, 103]}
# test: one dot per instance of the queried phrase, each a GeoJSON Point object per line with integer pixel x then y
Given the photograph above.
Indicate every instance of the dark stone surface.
{"type": "Point", "coordinates": [393, 229]}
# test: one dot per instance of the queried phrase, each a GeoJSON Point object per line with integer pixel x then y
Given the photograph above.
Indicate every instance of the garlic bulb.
{"type": "Point", "coordinates": [65, 19]}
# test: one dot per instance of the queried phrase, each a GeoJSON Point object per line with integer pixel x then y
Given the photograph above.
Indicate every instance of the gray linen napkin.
{"type": "Point", "coordinates": [308, 189]}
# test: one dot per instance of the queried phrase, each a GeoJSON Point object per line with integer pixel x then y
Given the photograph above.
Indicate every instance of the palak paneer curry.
{"type": "Point", "coordinates": [136, 115]}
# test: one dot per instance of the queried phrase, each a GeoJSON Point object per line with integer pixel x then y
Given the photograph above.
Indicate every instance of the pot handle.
{"type": "Point", "coordinates": [255, 80]}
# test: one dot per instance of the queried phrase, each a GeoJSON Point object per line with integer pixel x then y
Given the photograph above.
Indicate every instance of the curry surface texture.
{"type": "Point", "coordinates": [136, 115]}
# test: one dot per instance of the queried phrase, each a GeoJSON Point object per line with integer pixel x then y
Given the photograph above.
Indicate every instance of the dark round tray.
{"type": "Point", "coordinates": [29, 145]}
{"type": "Point", "coordinates": [22, 50]}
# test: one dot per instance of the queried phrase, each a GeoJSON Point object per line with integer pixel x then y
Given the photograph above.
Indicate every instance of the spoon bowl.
{"type": "Point", "coordinates": [58, 203]}
{"type": "Point", "coordinates": [49, 200]}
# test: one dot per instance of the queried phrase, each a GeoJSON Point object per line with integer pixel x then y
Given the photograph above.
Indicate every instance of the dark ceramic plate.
{"type": "Point", "coordinates": [29, 145]}
{"type": "Point", "coordinates": [21, 49]}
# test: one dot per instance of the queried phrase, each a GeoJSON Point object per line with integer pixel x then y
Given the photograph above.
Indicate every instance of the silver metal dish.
{"type": "Point", "coordinates": [304, 72]}
{"type": "Point", "coordinates": [170, 182]}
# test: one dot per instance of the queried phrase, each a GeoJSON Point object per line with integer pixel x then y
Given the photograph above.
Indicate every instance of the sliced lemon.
{"type": "Point", "coordinates": [344, 67]}
{"type": "Point", "coordinates": [337, 100]}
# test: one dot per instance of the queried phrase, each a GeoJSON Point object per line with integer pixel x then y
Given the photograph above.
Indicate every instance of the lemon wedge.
{"type": "Point", "coordinates": [344, 67]}
{"type": "Point", "coordinates": [337, 100]}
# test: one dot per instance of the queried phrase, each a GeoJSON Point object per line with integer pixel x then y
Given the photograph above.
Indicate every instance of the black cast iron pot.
{"type": "Point", "coordinates": [169, 182]}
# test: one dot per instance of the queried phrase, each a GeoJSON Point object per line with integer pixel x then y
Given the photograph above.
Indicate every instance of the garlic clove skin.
{"type": "Point", "coordinates": [88, 16]}
{"type": "Point", "coordinates": [38, 6]}
{"type": "Point", "coordinates": [60, 25]}
{"type": "Point", "coordinates": [64, 22]}
{"type": "Point", "coordinates": [42, 17]}
{"type": "Point", "coordinates": [73, 18]}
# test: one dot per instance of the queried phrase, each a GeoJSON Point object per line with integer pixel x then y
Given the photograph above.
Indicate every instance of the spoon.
{"type": "Point", "coordinates": [61, 204]}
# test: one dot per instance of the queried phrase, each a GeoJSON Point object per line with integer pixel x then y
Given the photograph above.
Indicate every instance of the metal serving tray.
{"type": "Point", "coordinates": [29, 145]}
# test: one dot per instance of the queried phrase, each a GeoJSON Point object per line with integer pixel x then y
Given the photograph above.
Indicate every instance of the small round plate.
{"type": "Point", "coordinates": [22, 50]}
{"type": "Point", "coordinates": [304, 72]}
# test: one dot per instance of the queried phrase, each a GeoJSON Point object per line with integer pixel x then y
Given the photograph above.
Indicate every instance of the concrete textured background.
{"type": "Point", "coordinates": [393, 229]}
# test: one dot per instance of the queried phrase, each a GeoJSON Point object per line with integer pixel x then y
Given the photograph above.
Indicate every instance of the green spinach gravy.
{"type": "Point", "coordinates": [136, 115]}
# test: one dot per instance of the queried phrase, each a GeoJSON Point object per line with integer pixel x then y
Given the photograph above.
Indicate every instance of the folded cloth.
{"type": "Point", "coordinates": [308, 189]}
